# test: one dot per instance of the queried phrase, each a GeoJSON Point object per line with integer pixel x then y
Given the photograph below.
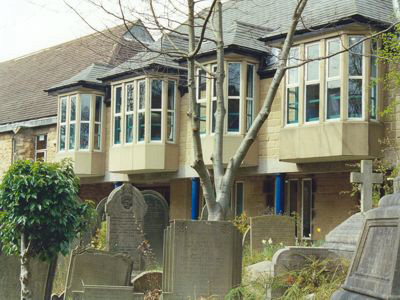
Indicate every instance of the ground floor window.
{"type": "Point", "coordinates": [41, 147]}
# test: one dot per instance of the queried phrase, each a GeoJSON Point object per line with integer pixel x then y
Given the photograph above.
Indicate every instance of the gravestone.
{"type": "Point", "coordinates": [125, 209]}
{"type": "Point", "coordinates": [155, 221]}
{"type": "Point", "coordinates": [147, 281]}
{"type": "Point", "coordinates": [201, 258]}
{"type": "Point", "coordinates": [10, 286]}
{"type": "Point", "coordinates": [98, 292]}
{"type": "Point", "coordinates": [95, 267]}
{"type": "Point", "coordinates": [375, 272]}
{"type": "Point", "coordinates": [278, 229]}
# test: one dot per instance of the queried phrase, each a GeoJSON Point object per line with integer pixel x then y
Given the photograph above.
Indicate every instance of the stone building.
{"type": "Point", "coordinates": [120, 112]}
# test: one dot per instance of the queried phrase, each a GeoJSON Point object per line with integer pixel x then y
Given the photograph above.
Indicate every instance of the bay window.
{"type": "Point", "coordinates": [333, 81]}
{"type": "Point", "coordinates": [85, 121]}
{"type": "Point", "coordinates": [292, 88]}
{"type": "Point", "coordinates": [202, 100]}
{"type": "Point", "coordinates": [117, 115]}
{"type": "Point", "coordinates": [234, 97]}
{"type": "Point", "coordinates": [63, 123]}
{"type": "Point", "coordinates": [129, 107]}
{"type": "Point", "coordinates": [171, 116]}
{"type": "Point", "coordinates": [156, 110]}
{"type": "Point", "coordinates": [250, 95]}
{"type": "Point", "coordinates": [72, 123]}
{"type": "Point", "coordinates": [355, 94]}
{"type": "Point", "coordinates": [141, 111]}
{"type": "Point", "coordinates": [312, 84]}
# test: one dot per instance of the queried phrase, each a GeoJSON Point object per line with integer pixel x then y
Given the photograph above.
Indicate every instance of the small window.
{"type": "Point", "coordinates": [117, 115]}
{"type": "Point", "coordinates": [130, 104]}
{"type": "Point", "coordinates": [292, 88]}
{"type": "Point", "coordinates": [333, 81]}
{"type": "Point", "coordinates": [156, 109]}
{"type": "Point", "coordinates": [171, 129]}
{"type": "Point", "coordinates": [141, 111]}
{"type": "Point", "coordinates": [250, 96]}
{"type": "Point", "coordinates": [355, 94]}
{"type": "Point", "coordinates": [85, 121]}
{"type": "Point", "coordinates": [41, 147]}
{"type": "Point", "coordinates": [63, 123]}
{"type": "Point", "coordinates": [234, 97]}
{"type": "Point", "coordinates": [312, 85]}
{"type": "Point", "coordinates": [97, 122]}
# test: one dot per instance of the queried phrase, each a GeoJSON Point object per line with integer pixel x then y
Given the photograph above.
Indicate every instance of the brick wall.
{"type": "Point", "coordinates": [95, 192]}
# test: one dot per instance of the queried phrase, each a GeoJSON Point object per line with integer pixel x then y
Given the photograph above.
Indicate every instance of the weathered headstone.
{"type": "Point", "coordinates": [201, 259]}
{"type": "Point", "coordinates": [10, 286]}
{"type": "Point", "coordinates": [366, 178]}
{"type": "Point", "coordinates": [147, 281]}
{"type": "Point", "coordinates": [94, 267]}
{"type": "Point", "coordinates": [155, 221]}
{"type": "Point", "coordinates": [375, 272]}
{"type": "Point", "coordinates": [125, 209]}
{"type": "Point", "coordinates": [278, 229]}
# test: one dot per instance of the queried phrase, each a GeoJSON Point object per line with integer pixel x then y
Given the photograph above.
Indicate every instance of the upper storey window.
{"type": "Point", "coordinates": [78, 123]}
{"type": "Point", "coordinates": [355, 94]}
{"type": "Point", "coordinates": [374, 86]}
{"type": "Point", "coordinates": [312, 83]}
{"type": "Point", "coordinates": [292, 89]}
{"type": "Point", "coordinates": [202, 99]}
{"type": "Point", "coordinates": [234, 72]}
{"type": "Point", "coordinates": [333, 80]}
{"type": "Point", "coordinates": [141, 105]}
{"type": "Point", "coordinates": [250, 87]}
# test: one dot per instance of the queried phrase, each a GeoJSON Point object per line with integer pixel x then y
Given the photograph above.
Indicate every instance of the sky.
{"type": "Point", "coordinates": [27, 26]}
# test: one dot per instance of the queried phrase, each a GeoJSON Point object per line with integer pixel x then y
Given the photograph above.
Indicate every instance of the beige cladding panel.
{"type": "Point", "coordinates": [180, 200]}
{"type": "Point", "coordinates": [86, 163]}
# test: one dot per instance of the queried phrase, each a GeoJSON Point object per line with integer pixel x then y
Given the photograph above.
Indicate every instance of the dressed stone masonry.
{"type": "Point", "coordinates": [375, 270]}
{"type": "Point", "coordinates": [125, 210]}
{"type": "Point", "coordinates": [367, 178]}
{"type": "Point", "coordinates": [201, 259]}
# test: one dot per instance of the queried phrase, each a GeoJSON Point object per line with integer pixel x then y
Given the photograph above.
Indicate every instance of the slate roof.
{"type": "Point", "coordinates": [88, 75]}
{"type": "Point", "coordinates": [23, 80]}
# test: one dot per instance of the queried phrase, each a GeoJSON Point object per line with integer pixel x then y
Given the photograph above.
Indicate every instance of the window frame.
{"type": "Point", "coordinates": [201, 102]}
{"type": "Point", "coordinates": [158, 110]}
{"type": "Point", "coordinates": [129, 113]}
{"type": "Point", "coordinates": [213, 122]}
{"type": "Point", "coordinates": [171, 111]}
{"type": "Point", "coordinates": [65, 124]}
{"type": "Point", "coordinates": [290, 86]}
{"type": "Point", "coordinates": [115, 115]}
{"type": "Point", "coordinates": [376, 84]}
{"type": "Point", "coordinates": [75, 122]}
{"type": "Point", "coordinates": [44, 151]}
{"type": "Point", "coordinates": [89, 122]}
{"type": "Point", "coordinates": [237, 98]}
{"type": "Point", "coordinates": [356, 77]}
{"type": "Point", "coordinates": [100, 123]}
{"type": "Point", "coordinates": [311, 82]}
{"type": "Point", "coordinates": [141, 110]}
{"type": "Point", "coordinates": [251, 99]}
{"type": "Point", "coordinates": [334, 78]}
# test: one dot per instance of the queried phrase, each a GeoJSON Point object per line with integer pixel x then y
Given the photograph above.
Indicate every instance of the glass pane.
{"type": "Point", "coordinates": [312, 102]}
{"type": "Point", "coordinates": [97, 113]}
{"type": "Point", "coordinates": [355, 56]}
{"type": "Point", "coordinates": [63, 108]}
{"type": "Point", "coordinates": [141, 125]}
{"type": "Point", "coordinates": [117, 130]}
{"type": "Point", "coordinates": [233, 115]}
{"type": "Point", "coordinates": [41, 156]}
{"type": "Point", "coordinates": [202, 85]}
{"type": "Point", "coordinates": [334, 61]}
{"type": "Point", "coordinates": [41, 142]}
{"type": "Point", "coordinates": [129, 97]}
{"type": "Point", "coordinates": [372, 103]}
{"type": "Point", "coordinates": [249, 114]}
{"type": "Point", "coordinates": [73, 108]}
{"type": "Point", "coordinates": [156, 126]}
{"type": "Point", "coordinates": [293, 74]}
{"type": "Point", "coordinates": [129, 128]}
{"type": "Point", "coordinates": [171, 127]}
{"type": "Point", "coordinates": [202, 112]}
{"type": "Point", "coordinates": [118, 99]}
{"type": "Point", "coordinates": [239, 198]}
{"type": "Point", "coordinates": [250, 81]}
{"type": "Point", "coordinates": [214, 110]}
{"type": "Point", "coordinates": [313, 67]}
{"type": "Point", "coordinates": [97, 136]}
{"type": "Point", "coordinates": [156, 92]}
{"type": "Point", "coordinates": [355, 98]}
{"type": "Point", "coordinates": [234, 79]}
{"type": "Point", "coordinates": [142, 94]}
{"type": "Point", "coordinates": [71, 137]}
{"type": "Point", "coordinates": [333, 99]}
{"type": "Point", "coordinates": [292, 105]}
{"type": "Point", "coordinates": [84, 141]}
{"type": "Point", "coordinates": [62, 137]}
{"type": "Point", "coordinates": [85, 107]}
{"type": "Point", "coordinates": [214, 80]}
{"type": "Point", "coordinates": [171, 95]}
{"type": "Point", "coordinates": [307, 207]}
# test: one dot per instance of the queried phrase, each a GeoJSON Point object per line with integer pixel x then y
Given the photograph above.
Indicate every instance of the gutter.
{"type": "Point", "coordinates": [28, 124]}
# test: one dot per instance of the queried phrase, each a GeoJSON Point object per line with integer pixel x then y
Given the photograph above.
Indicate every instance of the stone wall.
{"type": "Point", "coordinates": [5, 152]}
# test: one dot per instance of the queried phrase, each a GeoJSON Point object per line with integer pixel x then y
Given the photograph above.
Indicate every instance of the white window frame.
{"type": "Point", "coordinates": [115, 115]}
{"type": "Point", "coordinates": [292, 85]}
{"type": "Point", "coordinates": [202, 101]}
{"type": "Point", "coordinates": [213, 99]}
{"type": "Point", "coordinates": [376, 119]}
{"type": "Point", "coordinates": [129, 113]}
{"type": "Point", "coordinates": [63, 124]}
{"type": "Point", "coordinates": [44, 151]}
{"type": "Point", "coordinates": [160, 110]}
{"type": "Point", "coordinates": [238, 98]}
{"type": "Point", "coordinates": [250, 99]}
{"type": "Point", "coordinates": [85, 122]}
{"type": "Point", "coordinates": [171, 111]}
{"type": "Point", "coordinates": [334, 78]}
{"type": "Point", "coordinates": [70, 122]}
{"type": "Point", "coordinates": [312, 82]}
{"type": "Point", "coordinates": [141, 111]}
{"type": "Point", "coordinates": [357, 78]}
{"type": "Point", "coordinates": [100, 123]}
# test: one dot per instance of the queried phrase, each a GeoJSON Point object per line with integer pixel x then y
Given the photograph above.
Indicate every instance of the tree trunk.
{"type": "Point", "coordinates": [26, 291]}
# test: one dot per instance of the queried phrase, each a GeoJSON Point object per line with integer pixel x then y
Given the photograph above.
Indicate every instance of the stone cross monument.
{"type": "Point", "coordinates": [367, 178]}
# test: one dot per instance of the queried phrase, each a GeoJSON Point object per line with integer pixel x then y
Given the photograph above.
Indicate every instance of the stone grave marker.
{"type": "Point", "coordinates": [125, 209]}
{"type": "Point", "coordinates": [201, 258]}
{"type": "Point", "coordinates": [93, 267]}
{"type": "Point", "coordinates": [155, 221]}
{"type": "Point", "coordinates": [147, 281]}
{"type": "Point", "coordinates": [10, 286]}
{"type": "Point", "coordinates": [367, 178]}
{"type": "Point", "coordinates": [278, 229]}
{"type": "Point", "coordinates": [375, 272]}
